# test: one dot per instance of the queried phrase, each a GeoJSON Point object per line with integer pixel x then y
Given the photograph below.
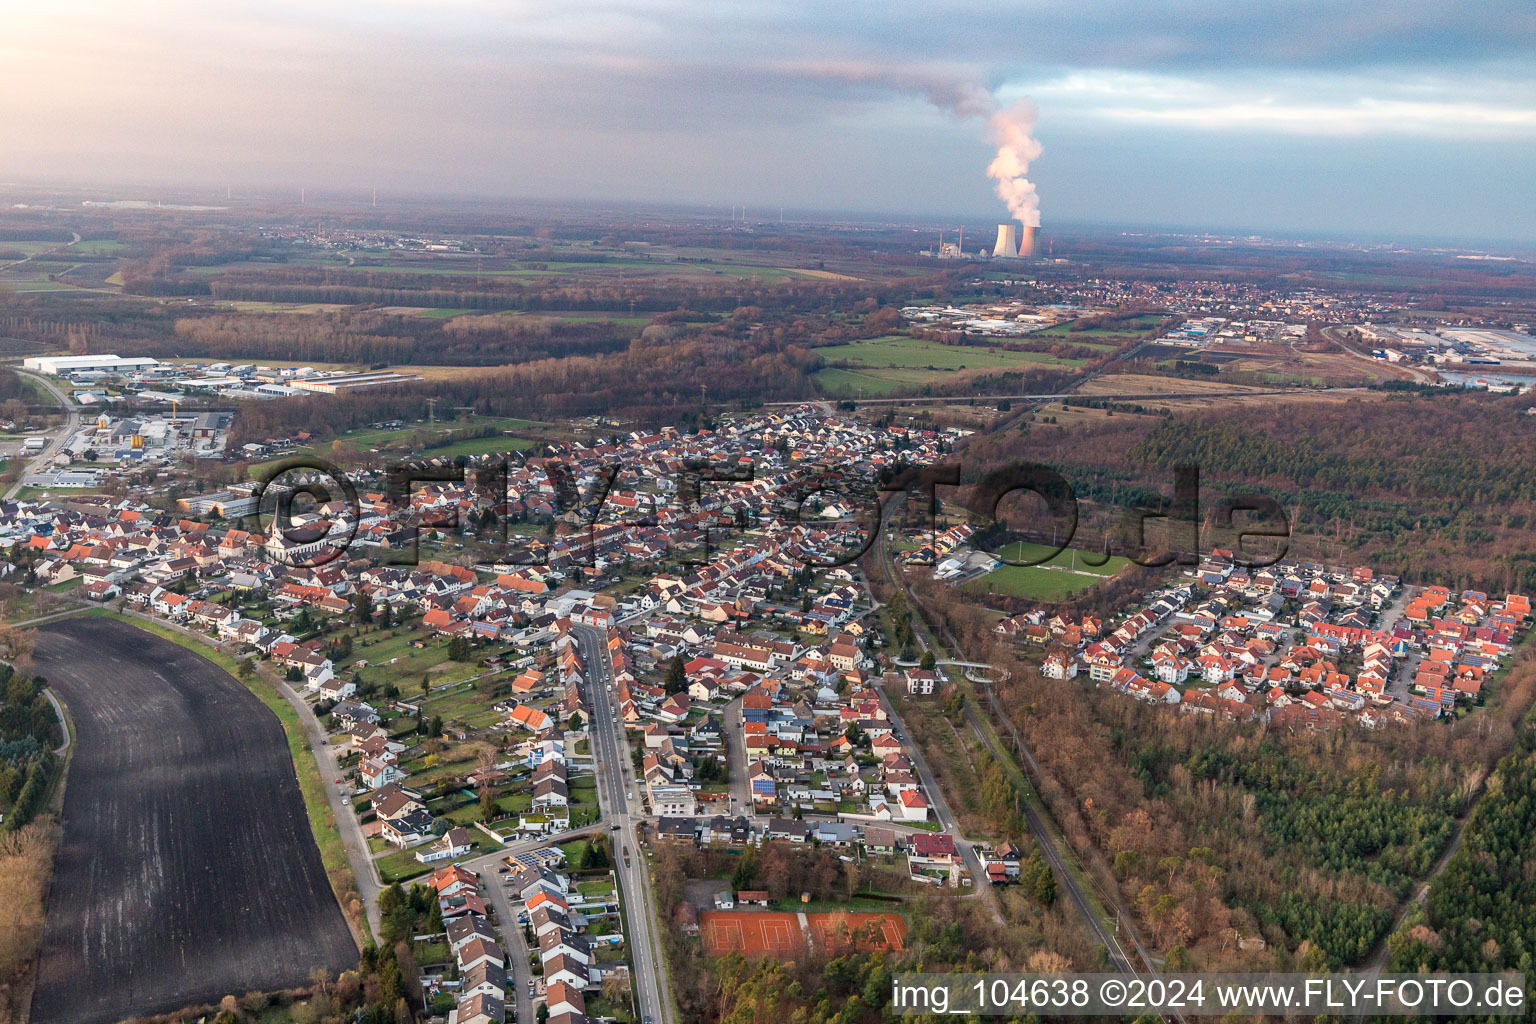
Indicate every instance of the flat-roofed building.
{"type": "Point", "coordinates": [58, 366]}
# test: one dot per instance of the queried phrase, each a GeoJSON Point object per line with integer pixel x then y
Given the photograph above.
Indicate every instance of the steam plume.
{"type": "Point", "coordinates": [1012, 131]}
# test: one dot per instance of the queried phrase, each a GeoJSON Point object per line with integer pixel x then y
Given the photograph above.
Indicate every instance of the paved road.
{"type": "Point", "coordinates": [615, 790]}
{"type": "Point", "coordinates": [1419, 376]}
{"type": "Point", "coordinates": [58, 709]}
{"type": "Point", "coordinates": [56, 443]}
{"type": "Point", "coordinates": [736, 760]}
{"type": "Point", "coordinates": [364, 869]}
{"type": "Point", "coordinates": [1044, 838]}
{"type": "Point", "coordinates": [519, 970]}
{"type": "Point", "coordinates": [1138, 396]}
{"type": "Point", "coordinates": [1403, 669]}
{"type": "Point", "coordinates": [942, 812]}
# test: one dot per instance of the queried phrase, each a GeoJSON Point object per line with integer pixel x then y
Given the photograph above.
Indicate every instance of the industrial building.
{"type": "Point", "coordinates": [1007, 244]}
{"type": "Point", "coordinates": [1027, 242]}
{"type": "Point", "coordinates": [63, 366]}
{"type": "Point", "coordinates": [345, 382]}
{"type": "Point", "coordinates": [1014, 241]}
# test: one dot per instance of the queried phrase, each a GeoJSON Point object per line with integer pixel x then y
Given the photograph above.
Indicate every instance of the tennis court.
{"type": "Point", "coordinates": [839, 933]}
{"type": "Point", "coordinates": [756, 933]}
{"type": "Point", "coordinates": [751, 933]}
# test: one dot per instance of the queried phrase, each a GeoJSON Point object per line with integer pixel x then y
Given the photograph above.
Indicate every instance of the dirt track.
{"type": "Point", "coordinates": [187, 870]}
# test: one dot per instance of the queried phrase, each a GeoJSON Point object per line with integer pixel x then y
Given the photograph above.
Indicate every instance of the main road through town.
{"type": "Point", "coordinates": [60, 438]}
{"type": "Point", "coordinates": [618, 796]}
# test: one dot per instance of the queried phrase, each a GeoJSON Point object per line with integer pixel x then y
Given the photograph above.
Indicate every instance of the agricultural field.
{"type": "Point", "coordinates": [429, 441]}
{"type": "Point", "coordinates": [1114, 384]}
{"type": "Point", "coordinates": [586, 262]}
{"type": "Point", "coordinates": [893, 362]}
{"type": "Point", "coordinates": [1115, 336]}
{"type": "Point", "coordinates": [99, 247]}
{"type": "Point", "coordinates": [29, 280]}
{"type": "Point", "coordinates": [224, 891]}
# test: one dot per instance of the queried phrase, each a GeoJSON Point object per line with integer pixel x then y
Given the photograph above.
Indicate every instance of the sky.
{"type": "Point", "coordinates": [1408, 118]}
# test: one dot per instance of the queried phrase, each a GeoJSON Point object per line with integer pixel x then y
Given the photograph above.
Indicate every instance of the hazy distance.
{"type": "Point", "coordinates": [1416, 118]}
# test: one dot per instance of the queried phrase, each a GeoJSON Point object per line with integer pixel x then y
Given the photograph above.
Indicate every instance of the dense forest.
{"type": "Point", "coordinates": [1219, 834]}
{"type": "Point", "coordinates": [1426, 486]}
{"type": "Point", "coordinates": [648, 381]}
{"type": "Point", "coordinates": [372, 337]}
{"type": "Point", "coordinates": [29, 730]}
{"type": "Point", "coordinates": [1480, 914]}
{"type": "Point", "coordinates": [1434, 488]}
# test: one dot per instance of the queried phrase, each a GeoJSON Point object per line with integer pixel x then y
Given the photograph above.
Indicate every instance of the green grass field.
{"type": "Point", "coordinates": [399, 440]}
{"type": "Point", "coordinates": [1032, 582]}
{"type": "Point", "coordinates": [1039, 582]}
{"type": "Point", "coordinates": [900, 352]}
{"type": "Point", "coordinates": [410, 663]}
{"type": "Point", "coordinates": [895, 362]}
{"type": "Point", "coordinates": [1023, 551]}
{"type": "Point", "coordinates": [853, 382]}
{"type": "Point", "coordinates": [1114, 336]}
{"type": "Point", "coordinates": [401, 865]}
{"type": "Point", "coordinates": [99, 246]}
{"type": "Point", "coordinates": [481, 446]}
{"type": "Point", "coordinates": [596, 887]}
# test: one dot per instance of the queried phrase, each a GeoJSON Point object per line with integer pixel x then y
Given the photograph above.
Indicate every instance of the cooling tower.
{"type": "Point", "coordinates": [1027, 243]}
{"type": "Point", "coordinates": [1007, 244]}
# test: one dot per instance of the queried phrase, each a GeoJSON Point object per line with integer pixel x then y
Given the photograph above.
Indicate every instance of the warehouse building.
{"type": "Point", "coordinates": [63, 366]}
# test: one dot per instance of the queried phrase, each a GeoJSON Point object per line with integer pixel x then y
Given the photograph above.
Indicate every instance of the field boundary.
{"type": "Point", "coordinates": [322, 823]}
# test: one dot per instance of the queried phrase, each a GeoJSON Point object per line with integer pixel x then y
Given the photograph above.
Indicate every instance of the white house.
{"type": "Point", "coordinates": [914, 806]}
{"type": "Point", "coordinates": [456, 842]}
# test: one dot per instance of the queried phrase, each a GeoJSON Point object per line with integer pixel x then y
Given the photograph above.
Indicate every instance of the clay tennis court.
{"type": "Point", "coordinates": [759, 933]}
{"type": "Point", "coordinates": [843, 933]}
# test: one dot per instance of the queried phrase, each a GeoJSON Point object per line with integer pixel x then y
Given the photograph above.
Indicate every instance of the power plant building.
{"type": "Point", "coordinates": [1007, 244]}
{"type": "Point", "coordinates": [1014, 241]}
{"type": "Point", "coordinates": [1027, 243]}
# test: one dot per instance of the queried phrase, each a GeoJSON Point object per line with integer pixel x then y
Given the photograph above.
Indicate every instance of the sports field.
{"type": "Point", "coordinates": [1054, 580]}
{"type": "Point", "coordinates": [763, 933]}
{"type": "Point", "coordinates": [1024, 551]}
{"type": "Point", "coordinates": [837, 933]}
